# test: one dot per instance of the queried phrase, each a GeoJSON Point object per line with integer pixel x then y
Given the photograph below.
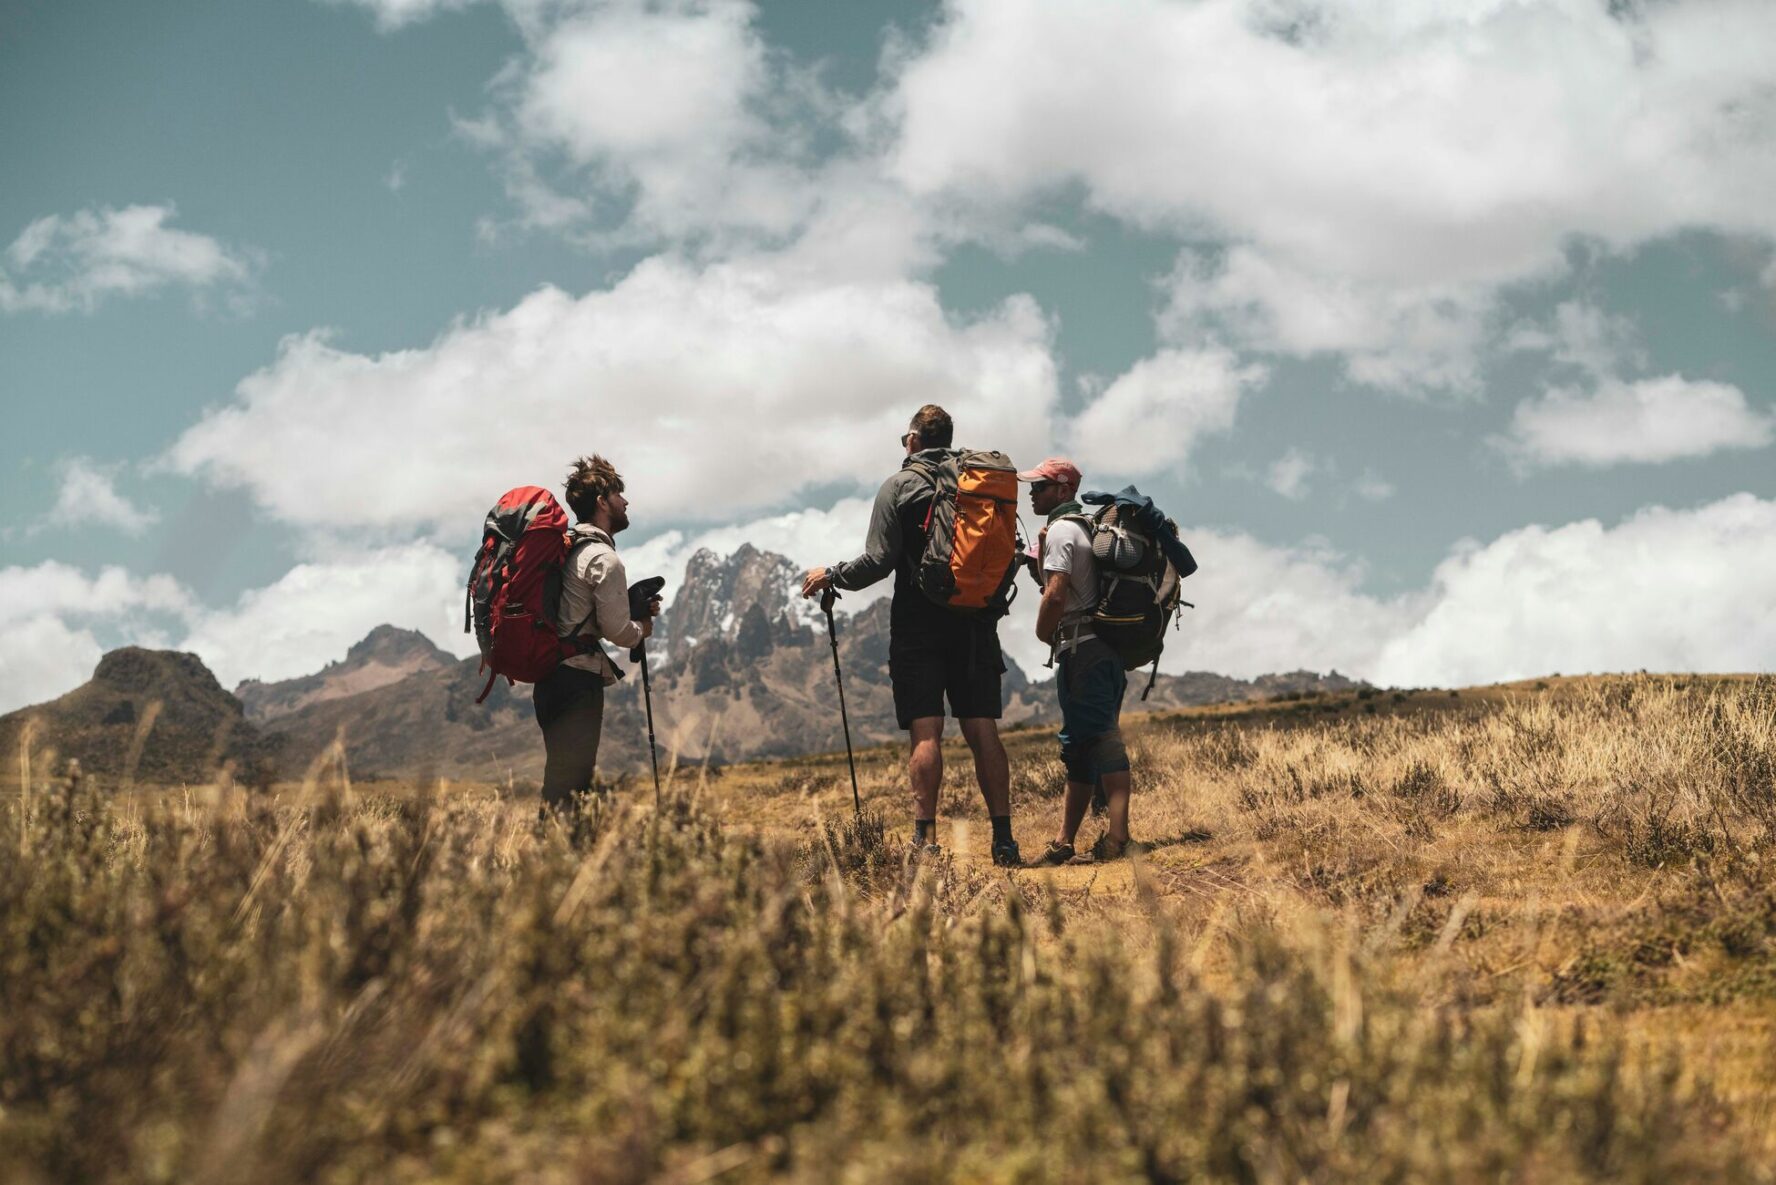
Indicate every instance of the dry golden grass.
{"type": "Point", "coordinates": [1525, 933]}
{"type": "Point", "coordinates": [1599, 847]}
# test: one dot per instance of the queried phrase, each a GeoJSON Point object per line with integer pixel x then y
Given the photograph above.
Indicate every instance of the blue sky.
{"type": "Point", "coordinates": [1446, 331]}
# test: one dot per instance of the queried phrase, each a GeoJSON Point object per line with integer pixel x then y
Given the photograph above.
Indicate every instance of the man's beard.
{"type": "Point", "coordinates": [619, 521]}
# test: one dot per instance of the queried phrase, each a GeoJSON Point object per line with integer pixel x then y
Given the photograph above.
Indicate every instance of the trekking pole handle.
{"type": "Point", "coordinates": [641, 594]}
{"type": "Point", "coordinates": [828, 595]}
{"type": "Point", "coordinates": [643, 591]}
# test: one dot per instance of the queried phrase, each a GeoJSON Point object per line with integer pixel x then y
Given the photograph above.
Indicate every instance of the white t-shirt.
{"type": "Point", "coordinates": [1067, 548]}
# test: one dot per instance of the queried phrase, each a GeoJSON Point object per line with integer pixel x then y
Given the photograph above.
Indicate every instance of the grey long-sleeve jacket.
{"type": "Point", "coordinates": [897, 517]}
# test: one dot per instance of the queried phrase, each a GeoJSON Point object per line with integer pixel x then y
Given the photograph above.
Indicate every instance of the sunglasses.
{"type": "Point", "coordinates": [1036, 487]}
{"type": "Point", "coordinates": [908, 437]}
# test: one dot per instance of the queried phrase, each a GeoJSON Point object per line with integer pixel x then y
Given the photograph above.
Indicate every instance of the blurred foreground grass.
{"type": "Point", "coordinates": [1526, 937]}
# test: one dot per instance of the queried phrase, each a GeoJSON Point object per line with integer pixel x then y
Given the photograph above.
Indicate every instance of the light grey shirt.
{"type": "Point", "coordinates": [1067, 548]}
{"type": "Point", "coordinates": [595, 592]}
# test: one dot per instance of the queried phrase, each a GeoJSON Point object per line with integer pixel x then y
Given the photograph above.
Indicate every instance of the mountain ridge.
{"type": "Point", "coordinates": [387, 654]}
{"type": "Point", "coordinates": [740, 668]}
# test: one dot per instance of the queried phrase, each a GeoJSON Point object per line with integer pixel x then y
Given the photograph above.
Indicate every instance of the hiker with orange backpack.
{"type": "Point", "coordinates": [945, 525]}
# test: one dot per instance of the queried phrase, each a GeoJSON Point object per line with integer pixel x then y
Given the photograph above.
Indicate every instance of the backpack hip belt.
{"type": "Point", "coordinates": [1069, 637]}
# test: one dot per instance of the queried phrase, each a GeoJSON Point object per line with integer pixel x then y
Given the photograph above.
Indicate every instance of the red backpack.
{"type": "Point", "coordinates": [514, 593]}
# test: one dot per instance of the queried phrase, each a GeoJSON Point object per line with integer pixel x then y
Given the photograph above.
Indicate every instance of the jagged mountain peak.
{"type": "Point", "coordinates": [744, 567]}
{"type": "Point", "coordinates": [387, 654]}
{"type": "Point", "coordinates": [720, 595]}
{"type": "Point", "coordinates": [391, 643]}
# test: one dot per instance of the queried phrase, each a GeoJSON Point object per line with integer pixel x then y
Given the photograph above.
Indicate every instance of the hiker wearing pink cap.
{"type": "Point", "coordinates": [1089, 676]}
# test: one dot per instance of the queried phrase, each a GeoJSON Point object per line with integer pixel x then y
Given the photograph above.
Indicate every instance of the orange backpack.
{"type": "Point", "coordinates": [971, 531]}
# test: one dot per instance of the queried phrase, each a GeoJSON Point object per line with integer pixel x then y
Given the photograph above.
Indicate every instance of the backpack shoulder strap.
{"type": "Point", "coordinates": [928, 468]}
{"type": "Point", "coordinates": [575, 543]}
{"type": "Point", "coordinates": [932, 472]}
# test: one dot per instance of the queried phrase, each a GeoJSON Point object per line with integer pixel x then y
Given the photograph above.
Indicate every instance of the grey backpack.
{"type": "Point", "coordinates": [1138, 587]}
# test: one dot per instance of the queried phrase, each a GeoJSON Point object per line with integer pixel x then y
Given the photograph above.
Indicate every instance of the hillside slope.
{"type": "Point", "coordinates": [146, 715]}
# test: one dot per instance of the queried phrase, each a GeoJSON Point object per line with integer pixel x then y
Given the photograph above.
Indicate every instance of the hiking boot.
{"type": "Point", "coordinates": [1106, 849]}
{"type": "Point", "coordinates": [917, 851]}
{"type": "Point", "coordinates": [1006, 854]}
{"type": "Point", "coordinates": [1056, 855]}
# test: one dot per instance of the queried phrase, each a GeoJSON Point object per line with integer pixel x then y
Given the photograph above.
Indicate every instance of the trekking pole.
{"type": "Point", "coordinates": [832, 633]}
{"type": "Point", "coordinates": [647, 698]}
{"type": "Point", "coordinates": [640, 593]}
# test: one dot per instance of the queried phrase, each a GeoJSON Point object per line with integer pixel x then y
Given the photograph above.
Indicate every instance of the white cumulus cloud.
{"type": "Point", "coordinates": [88, 497]}
{"type": "Point", "coordinates": [313, 613]}
{"type": "Point", "coordinates": [394, 14]}
{"type": "Point", "coordinates": [1288, 474]}
{"type": "Point", "coordinates": [1373, 487]}
{"type": "Point", "coordinates": [1262, 608]}
{"type": "Point", "coordinates": [1381, 170]}
{"type": "Point", "coordinates": [717, 392]}
{"type": "Point", "coordinates": [62, 264]}
{"type": "Point", "coordinates": [1152, 416]}
{"type": "Point", "coordinates": [1665, 590]}
{"type": "Point", "coordinates": [1649, 420]}
{"type": "Point", "coordinates": [1584, 337]}
{"type": "Point", "coordinates": [640, 84]}
{"type": "Point", "coordinates": [655, 120]}
{"type": "Point", "coordinates": [55, 622]}
{"type": "Point", "coordinates": [1399, 337]}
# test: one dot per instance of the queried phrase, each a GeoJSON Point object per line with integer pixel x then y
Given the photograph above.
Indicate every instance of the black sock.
{"type": "Point", "coordinates": [1001, 828]}
{"type": "Point", "coordinates": [924, 830]}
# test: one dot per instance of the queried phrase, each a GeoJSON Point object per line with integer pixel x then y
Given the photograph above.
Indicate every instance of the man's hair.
{"type": "Point", "coordinates": [934, 426]}
{"type": "Point", "coordinates": [590, 479]}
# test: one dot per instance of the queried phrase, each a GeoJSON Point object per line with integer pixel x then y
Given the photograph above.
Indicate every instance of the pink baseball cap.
{"type": "Point", "coordinates": [1055, 469]}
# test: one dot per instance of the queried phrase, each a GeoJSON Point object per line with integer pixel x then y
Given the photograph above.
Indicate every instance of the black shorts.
{"type": "Point", "coordinates": [938, 654]}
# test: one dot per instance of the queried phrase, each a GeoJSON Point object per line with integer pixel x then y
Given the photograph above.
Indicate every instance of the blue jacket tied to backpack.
{"type": "Point", "coordinates": [1131, 502]}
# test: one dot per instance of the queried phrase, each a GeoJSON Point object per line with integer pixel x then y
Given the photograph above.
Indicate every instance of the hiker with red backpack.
{"type": "Point", "coordinates": [542, 597]}
{"type": "Point", "coordinates": [945, 525]}
{"type": "Point", "coordinates": [569, 701]}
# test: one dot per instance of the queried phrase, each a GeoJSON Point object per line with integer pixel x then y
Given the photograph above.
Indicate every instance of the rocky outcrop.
{"type": "Point", "coordinates": [155, 716]}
